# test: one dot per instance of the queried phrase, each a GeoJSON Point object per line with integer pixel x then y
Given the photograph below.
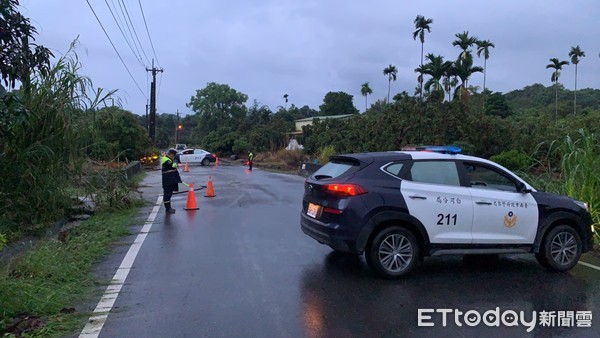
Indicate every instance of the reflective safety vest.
{"type": "Point", "coordinates": [250, 156]}
{"type": "Point", "coordinates": [170, 174]}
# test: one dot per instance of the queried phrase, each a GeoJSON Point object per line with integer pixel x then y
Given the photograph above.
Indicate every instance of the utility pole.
{"type": "Point", "coordinates": [152, 130]}
{"type": "Point", "coordinates": [177, 128]}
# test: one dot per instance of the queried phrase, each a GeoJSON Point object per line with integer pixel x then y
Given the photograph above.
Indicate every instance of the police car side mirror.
{"type": "Point", "coordinates": [522, 188]}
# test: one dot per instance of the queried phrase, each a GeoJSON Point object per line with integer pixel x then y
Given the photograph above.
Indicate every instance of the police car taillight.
{"type": "Point", "coordinates": [344, 190]}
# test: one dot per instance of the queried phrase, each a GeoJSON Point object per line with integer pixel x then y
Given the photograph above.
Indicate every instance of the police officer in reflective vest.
{"type": "Point", "coordinates": [250, 158]}
{"type": "Point", "coordinates": [170, 178]}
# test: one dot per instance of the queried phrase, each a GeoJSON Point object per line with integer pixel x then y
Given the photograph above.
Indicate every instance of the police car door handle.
{"type": "Point", "coordinates": [483, 203]}
{"type": "Point", "coordinates": [418, 197]}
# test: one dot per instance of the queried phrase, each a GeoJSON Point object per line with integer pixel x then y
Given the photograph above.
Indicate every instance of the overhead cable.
{"type": "Point", "coordinates": [116, 51]}
{"type": "Point", "coordinates": [147, 31]}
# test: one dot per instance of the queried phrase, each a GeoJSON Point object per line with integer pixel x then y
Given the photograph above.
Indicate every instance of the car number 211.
{"type": "Point", "coordinates": [446, 219]}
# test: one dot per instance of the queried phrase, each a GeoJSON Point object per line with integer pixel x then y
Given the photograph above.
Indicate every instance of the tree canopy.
{"type": "Point", "coordinates": [337, 103]}
{"type": "Point", "coordinates": [216, 104]}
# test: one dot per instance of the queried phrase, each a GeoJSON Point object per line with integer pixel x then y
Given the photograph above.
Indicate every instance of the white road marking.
{"type": "Point", "coordinates": [97, 320]}
{"type": "Point", "coordinates": [592, 266]}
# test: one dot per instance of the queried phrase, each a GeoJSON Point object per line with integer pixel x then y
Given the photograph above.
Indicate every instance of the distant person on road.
{"type": "Point", "coordinates": [250, 158]}
{"type": "Point", "coordinates": [170, 178]}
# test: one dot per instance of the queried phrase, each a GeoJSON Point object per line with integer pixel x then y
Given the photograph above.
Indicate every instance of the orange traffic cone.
{"type": "Point", "coordinates": [185, 169]}
{"type": "Point", "coordinates": [191, 199]}
{"type": "Point", "coordinates": [210, 191]}
{"type": "Point", "coordinates": [217, 162]}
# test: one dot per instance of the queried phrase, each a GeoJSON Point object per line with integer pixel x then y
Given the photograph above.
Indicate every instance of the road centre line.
{"type": "Point", "coordinates": [100, 314]}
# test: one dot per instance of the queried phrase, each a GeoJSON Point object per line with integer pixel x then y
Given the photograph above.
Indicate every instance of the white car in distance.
{"type": "Point", "coordinates": [191, 156]}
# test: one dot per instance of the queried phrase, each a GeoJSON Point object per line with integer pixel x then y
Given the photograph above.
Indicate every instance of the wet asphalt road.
{"type": "Point", "coordinates": [241, 267]}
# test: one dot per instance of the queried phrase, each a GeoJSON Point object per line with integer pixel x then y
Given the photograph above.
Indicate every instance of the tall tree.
{"type": "Point", "coordinates": [285, 96]}
{"type": "Point", "coordinates": [557, 66]}
{"type": "Point", "coordinates": [339, 103]}
{"type": "Point", "coordinates": [365, 90]}
{"type": "Point", "coordinates": [576, 53]}
{"type": "Point", "coordinates": [436, 68]}
{"type": "Point", "coordinates": [463, 69]}
{"type": "Point", "coordinates": [464, 42]}
{"type": "Point", "coordinates": [421, 25]}
{"type": "Point", "coordinates": [483, 47]}
{"type": "Point", "coordinates": [217, 105]}
{"type": "Point", "coordinates": [449, 80]}
{"type": "Point", "coordinates": [390, 71]}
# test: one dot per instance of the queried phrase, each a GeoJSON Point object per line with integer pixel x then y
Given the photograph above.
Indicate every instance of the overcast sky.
{"type": "Point", "coordinates": [306, 48]}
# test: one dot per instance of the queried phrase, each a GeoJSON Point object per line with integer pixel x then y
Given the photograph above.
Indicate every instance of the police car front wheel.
{"type": "Point", "coordinates": [561, 249]}
{"type": "Point", "coordinates": [393, 252]}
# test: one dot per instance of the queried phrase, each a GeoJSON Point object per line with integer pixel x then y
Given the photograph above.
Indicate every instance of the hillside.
{"type": "Point", "coordinates": [537, 96]}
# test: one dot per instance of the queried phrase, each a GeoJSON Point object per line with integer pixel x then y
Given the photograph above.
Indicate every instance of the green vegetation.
{"type": "Point", "coordinates": [51, 128]}
{"type": "Point", "coordinates": [325, 153]}
{"type": "Point", "coordinates": [365, 91]}
{"type": "Point", "coordinates": [580, 174]}
{"type": "Point", "coordinates": [339, 103]}
{"type": "Point", "coordinates": [54, 276]}
{"type": "Point", "coordinates": [514, 160]}
{"type": "Point", "coordinates": [390, 71]}
{"type": "Point", "coordinates": [56, 145]}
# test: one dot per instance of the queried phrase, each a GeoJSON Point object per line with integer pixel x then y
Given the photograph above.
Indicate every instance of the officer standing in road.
{"type": "Point", "coordinates": [250, 158]}
{"type": "Point", "coordinates": [170, 178]}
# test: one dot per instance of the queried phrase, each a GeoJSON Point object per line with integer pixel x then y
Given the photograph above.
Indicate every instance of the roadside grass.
{"type": "Point", "coordinates": [51, 278]}
{"type": "Point", "coordinates": [282, 160]}
{"type": "Point", "coordinates": [577, 174]}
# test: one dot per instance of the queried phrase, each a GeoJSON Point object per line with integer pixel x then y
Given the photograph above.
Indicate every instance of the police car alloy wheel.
{"type": "Point", "coordinates": [205, 162]}
{"type": "Point", "coordinates": [561, 249]}
{"type": "Point", "coordinates": [393, 253]}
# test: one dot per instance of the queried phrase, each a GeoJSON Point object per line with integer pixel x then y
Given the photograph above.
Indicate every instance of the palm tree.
{"type": "Point", "coordinates": [463, 69]}
{"type": "Point", "coordinates": [421, 71]}
{"type": "Point", "coordinates": [464, 42]}
{"type": "Point", "coordinates": [437, 69]}
{"type": "Point", "coordinates": [285, 96]}
{"type": "Point", "coordinates": [575, 54]}
{"type": "Point", "coordinates": [557, 66]}
{"type": "Point", "coordinates": [449, 80]}
{"type": "Point", "coordinates": [484, 46]}
{"type": "Point", "coordinates": [365, 90]}
{"type": "Point", "coordinates": [421, 25]}
{"type": "Point", "coordinates": [391, 72]}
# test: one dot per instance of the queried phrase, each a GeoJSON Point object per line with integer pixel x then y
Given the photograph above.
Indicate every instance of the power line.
{"type": "Point", "coordinates": [147, 31]}
{"type": "Point", "coordinates": [128, 28]}
{"type": "Point", "coordinates": [125, 24]}
{"type": "Point", "coordinates": [123, 33]}
{"type": "Point", "coordinates": [116, 51]}
{"type": "Point", "coordinates": [134, 31]}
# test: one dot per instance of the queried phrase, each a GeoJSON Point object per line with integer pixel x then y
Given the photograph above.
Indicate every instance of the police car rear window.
{"type": "Point", "coordinates": [332, 170]}
{"type": "Point", "coordinates": [394, 168]}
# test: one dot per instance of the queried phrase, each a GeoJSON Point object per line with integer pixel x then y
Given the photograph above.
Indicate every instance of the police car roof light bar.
{"type": "Point", "coordinates": [452, 150]}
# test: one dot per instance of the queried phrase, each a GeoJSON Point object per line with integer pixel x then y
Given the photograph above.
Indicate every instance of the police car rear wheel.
{"type": "Point", "coordinates": [205, 162]}
{"type": "Point", "coordinates": [561, 250]}
{"type": "Point", "coordinates": [393, 253]}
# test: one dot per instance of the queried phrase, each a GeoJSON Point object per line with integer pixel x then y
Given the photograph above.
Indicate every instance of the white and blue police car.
{"type": "Point", "coordinates": [399, 206]}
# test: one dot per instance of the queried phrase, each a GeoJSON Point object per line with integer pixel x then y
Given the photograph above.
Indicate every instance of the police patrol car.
{"type": "Point", "coordinates": [396, 207]}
